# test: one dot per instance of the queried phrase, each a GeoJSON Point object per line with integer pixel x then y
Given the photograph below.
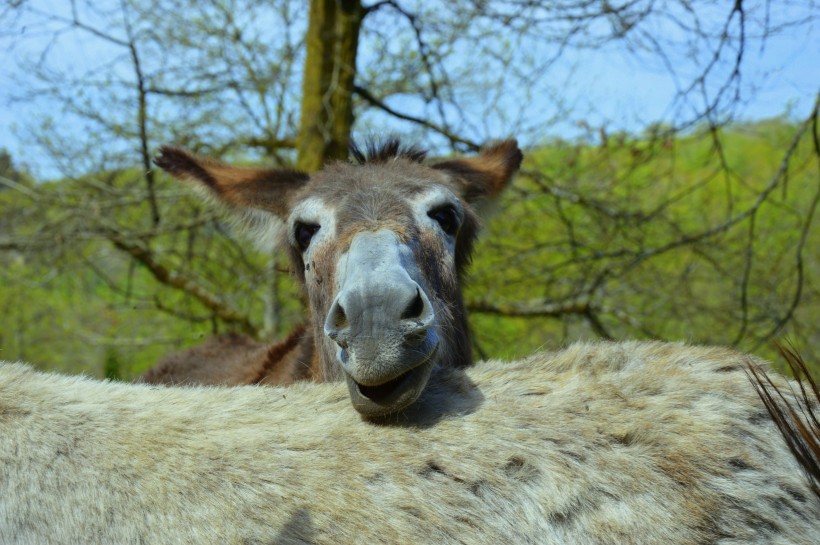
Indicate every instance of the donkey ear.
{"type": "Point", "coordinates": [486, 174]}
{"type": "Point", "coordinates": [242, 188]}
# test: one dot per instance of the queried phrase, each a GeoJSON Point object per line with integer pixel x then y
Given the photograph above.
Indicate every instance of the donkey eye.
{"type": "Point", "coordinates": [303, 233]}
{"type": "Point", "coordinates": [446, 217]}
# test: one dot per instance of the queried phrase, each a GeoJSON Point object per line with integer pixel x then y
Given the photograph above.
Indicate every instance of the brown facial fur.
{"type": "Point", "coordinates": [373, 196]}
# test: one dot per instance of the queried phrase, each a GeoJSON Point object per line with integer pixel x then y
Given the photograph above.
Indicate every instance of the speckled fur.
{"type": "Point", "coordinates": [600, 443]}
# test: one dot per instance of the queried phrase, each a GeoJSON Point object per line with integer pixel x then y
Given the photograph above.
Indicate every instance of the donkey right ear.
{"type": "Point", "coordinates": [242, 188]}
{"type": "Point", "coordinates": [488, 173]}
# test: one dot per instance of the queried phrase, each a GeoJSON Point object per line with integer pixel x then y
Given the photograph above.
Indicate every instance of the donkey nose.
{"type": "Point", "coordinates": [416, 307]}
{"type": "Point", "coordinates": [336, 324]}
{"type": "Point", "coordinates": [379, 308]}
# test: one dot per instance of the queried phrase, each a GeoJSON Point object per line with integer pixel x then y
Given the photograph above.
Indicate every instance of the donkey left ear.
{"type": "Point", "coordinates": [240, 188]}
{"type": "Point", "coordinates": [486, 174]}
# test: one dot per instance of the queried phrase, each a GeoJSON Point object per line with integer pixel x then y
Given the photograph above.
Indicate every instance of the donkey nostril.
{"type": "Point", "coordinates": [339, 318]}
{"type": "Point", "coordinates": [415, 308]}
{"type": "Point", "coordinates": [336, 326]}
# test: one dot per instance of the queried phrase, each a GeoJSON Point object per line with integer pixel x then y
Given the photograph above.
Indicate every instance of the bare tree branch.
{"type": "Point", "coordinates": [452, 137]}
{"type": "Point", "coordinates": [221, 309]}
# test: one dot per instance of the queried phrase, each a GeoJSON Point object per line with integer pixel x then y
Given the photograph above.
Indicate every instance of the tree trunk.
{"type": "Point", "coordinates": [330, 68]}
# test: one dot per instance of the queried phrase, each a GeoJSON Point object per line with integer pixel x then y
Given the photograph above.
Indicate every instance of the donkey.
{"type": "Point", "coordinates": [599, 443]}
{"type": "Point", "coordinates": [233, 359]}
{"type": "Point", "coordinates": [380, 247]}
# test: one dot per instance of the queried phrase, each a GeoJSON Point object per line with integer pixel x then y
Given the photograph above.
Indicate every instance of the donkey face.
{"type": "Point", "coordinates": [380, 247]}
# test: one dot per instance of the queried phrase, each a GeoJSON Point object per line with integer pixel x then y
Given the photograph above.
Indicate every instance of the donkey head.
{"type": "Point", "coordinates": [380, 246]}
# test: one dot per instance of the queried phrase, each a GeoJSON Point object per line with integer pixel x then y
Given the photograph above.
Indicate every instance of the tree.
{"type": "Point", "coordinates": [326, 114]}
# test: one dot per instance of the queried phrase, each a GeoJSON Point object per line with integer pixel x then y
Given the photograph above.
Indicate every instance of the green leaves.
{"type": "Point", "coordinates": [694, 238]}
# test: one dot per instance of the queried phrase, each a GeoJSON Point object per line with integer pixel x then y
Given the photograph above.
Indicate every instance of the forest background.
{"type": "Point", "coordinates": [671, 207]}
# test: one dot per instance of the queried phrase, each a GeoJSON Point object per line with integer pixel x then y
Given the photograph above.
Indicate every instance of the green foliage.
{"type": "Point", "coordinates": [70, 299]}
{"type": "Point", "coordinates": [695, 238]}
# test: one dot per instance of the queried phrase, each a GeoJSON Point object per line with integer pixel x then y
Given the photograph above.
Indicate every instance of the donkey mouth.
{"type": "Point", "coordinates": [383, 391]}
{"type": "Point", "coordinates": [393, 395]}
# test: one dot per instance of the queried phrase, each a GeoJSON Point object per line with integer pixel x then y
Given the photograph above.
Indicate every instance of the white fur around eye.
{"type": "Point", "coordinates": [315, 212]}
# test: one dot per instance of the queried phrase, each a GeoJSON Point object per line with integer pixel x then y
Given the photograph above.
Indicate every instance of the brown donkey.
{"type": "Point", "coordinates": [380, 246]}
{"type": "Point", "coordinates": [233, 359]}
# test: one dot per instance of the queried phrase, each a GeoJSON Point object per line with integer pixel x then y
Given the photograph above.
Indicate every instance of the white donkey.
{"type": "Point", "coordinates": [600, 443]}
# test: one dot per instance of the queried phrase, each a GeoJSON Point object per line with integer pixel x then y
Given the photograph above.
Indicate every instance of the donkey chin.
{"type": "Point", "coordinates": [385, 376]}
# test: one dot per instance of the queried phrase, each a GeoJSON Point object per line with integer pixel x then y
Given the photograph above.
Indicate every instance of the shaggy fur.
{"type": "Point", "coordinates": [600, 443]}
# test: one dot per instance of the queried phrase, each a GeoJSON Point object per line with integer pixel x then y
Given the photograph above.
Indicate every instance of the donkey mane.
{"type": "Point", "coordinates": [375, 151]}
{"type": "Point", "coordinates": [277, 353]}
{"type": "Point", "coordinates": [796, 419]}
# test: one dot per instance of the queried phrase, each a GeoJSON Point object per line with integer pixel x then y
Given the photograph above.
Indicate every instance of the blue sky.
{"type": "Point", "coordinates": [605, 87]}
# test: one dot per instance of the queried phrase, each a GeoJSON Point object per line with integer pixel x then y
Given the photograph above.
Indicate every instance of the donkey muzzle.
{"type": "Point", "coordinates": [383, 323]}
